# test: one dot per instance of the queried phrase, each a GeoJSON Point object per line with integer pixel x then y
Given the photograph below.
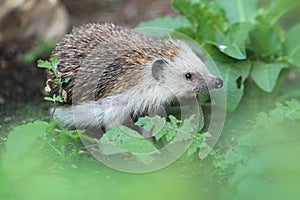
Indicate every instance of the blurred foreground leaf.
{"type": "Point", "coordinates": [22, 138]}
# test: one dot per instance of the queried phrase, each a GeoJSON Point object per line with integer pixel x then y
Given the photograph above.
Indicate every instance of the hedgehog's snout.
{"type": "Point", "coordinates": [203, 86]}
{"type": "Point", "coordinates": [217, 83]}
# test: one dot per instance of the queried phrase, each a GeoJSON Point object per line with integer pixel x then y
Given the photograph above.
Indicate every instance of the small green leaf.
{"type": "Point", "coordinates": [265, 75]}
{"type": "Point", "coordinates": [57, 99]}
{"type": "Point", "coordinates": [145, 122]}
{"type": "Point", "coordinates": [154, 124]}
{"type": "Point", "coordinates": [187, 130]}
{"type": "Point", "coordinates": [44, 64]}
{"type": "Point", "coordinates": [170, 133]}
{"type": "Point", "coordinates": [239, 10]}
{"type": "Point", "coordinates": [54, 62]}
{"type": "Point", "coordinates": [174, 120]}
{"type": "Point", "coordinates": [66, 80]}
{"type": "Point", "coordinates": [292, 45]}
{"type": "Point", "coordinates": [199, 142]}
{"type": "Point", "coordinates": [49, 99]}
{"type": "Point", "coordinates": [234, 76]}
{"type": "Point", "coordinates": [52, 126]}
{"type": "Point", "coordinates": [21, 139]}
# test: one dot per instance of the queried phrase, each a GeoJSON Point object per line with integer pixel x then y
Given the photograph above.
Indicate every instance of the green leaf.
{"type": "Point", "coordinates": [54, 62]}
{"type": "Point", "coordinates": [292, 45]}
{"type": "Point", "coordinates": [267, 41]}
{"type": "Point", "coordinates": [49, 99]}
{"type": "Point", "coordinates": [66, 80]}
{"type": "Point", "coordinates": [265, 75]}
{"type": "Point", "coordinates": [233, 44]}
{"type": "Point", "coordinates": [123, 139]}
{"type": "Point", "coordinates": [239, 10]}
{"type": "Point", "coordinates": [276, 9]}
{"type": "Point", "coordinates": [206, 18]}
{"type": "Point", "coordinates": [22, 138]}
{"type": "Point", "coordinates": [174, 120]}
{"type": "Point", "coordinates": [159, 127]}
{"type": "Point", "coordinates": [199, 142]}
{"type": "Point", "coordinates": [52, 125]}
{"type": "Point", "coordinates": [234, 76]}
{"type": "Point", "coordinates": [154, 124]}
{"type": "Point", "coordinates": [44, 64]}
{"type": "Point", "coordinates": [57, 99]}
{"type": "Point", "coordinates": [187, 130]}
{"type": "Point", "coordinates": [164, 22]}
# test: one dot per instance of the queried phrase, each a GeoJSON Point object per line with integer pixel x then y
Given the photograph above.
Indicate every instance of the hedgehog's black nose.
{"type": "Point", "coordinates": [218, 83]}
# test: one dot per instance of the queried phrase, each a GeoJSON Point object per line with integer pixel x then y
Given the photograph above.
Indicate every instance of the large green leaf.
{"type": "Point", "coordinates": [234, 75]}
{"type": "Point", "coordinates": [165, 22]}
{"type": "Point", "coordinates": [265, 75]}
{"type": "Point", "coordinates": [21, 139]}
{"type": "Point", "coordinates": [206, 18]}
{"type": "Point", "coordinates": [276, 9]}
{"type": "Point", "coordinates": [292, 45]}
{"type": "Point", "coordinates": [233, 44]}
{"type": "Point", "coordinates": [239, 10]}
{"type": "Point", "coordinates": [267, 41]}
{"type": "Point", "coordinates": [123, 139]}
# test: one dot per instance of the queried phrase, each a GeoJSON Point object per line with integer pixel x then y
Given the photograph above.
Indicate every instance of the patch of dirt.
{"type": "Point", "coordinates": [123, 12]}
{"type": "Point", "coordinates": [22, 83]}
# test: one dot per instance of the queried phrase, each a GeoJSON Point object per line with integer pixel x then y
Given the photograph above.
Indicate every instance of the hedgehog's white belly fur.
{"type": "Point", "coordinates": [91, 114]}
{"type": "Point", "coordinates": [113, 110]}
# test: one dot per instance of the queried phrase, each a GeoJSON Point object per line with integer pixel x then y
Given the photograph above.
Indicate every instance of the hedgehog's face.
{"type": "Point", "coordinates": [186, 76]}
{"type": "Point", "coordinates": [199, 83]}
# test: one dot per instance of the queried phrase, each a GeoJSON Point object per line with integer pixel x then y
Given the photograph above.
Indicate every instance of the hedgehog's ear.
{"type": "Point", "coordinates": [158, 66]}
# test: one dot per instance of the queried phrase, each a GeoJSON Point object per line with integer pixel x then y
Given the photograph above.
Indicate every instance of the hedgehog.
{"type": "Point", "coordinates": [116, 73]}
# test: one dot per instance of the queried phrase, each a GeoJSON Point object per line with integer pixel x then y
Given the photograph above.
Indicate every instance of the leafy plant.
{"type": "Point", "coordinates": [264, 162]}
{"type": "Point", "coordinates": [62, 141]}
{"type": "Point", "coordinates": [58, 81]}
{"type": "Point", "coordinates": [245, 40]}
{"type": "Point", "coordinates": [267, 129]}
{"type": "Point", "coordinates": [121, 139]}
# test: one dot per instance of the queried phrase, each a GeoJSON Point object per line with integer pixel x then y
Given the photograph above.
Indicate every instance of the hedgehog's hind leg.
{"type": "Point", "coordinates": [65, 116]}
{"type": "Point", "coordinates": [87, 115]}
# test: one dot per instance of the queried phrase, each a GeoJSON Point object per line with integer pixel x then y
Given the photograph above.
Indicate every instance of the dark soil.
{"type": "Point", "coordinates": [123, 12]}
{"type": "Point", "coordinates": [23, 83]}
{"type": "Point", "coordinates": [20, 82]}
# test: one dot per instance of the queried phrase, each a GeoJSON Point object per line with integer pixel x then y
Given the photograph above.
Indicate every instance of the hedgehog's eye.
{"type": "Point", "coordinates": [188, 76]}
